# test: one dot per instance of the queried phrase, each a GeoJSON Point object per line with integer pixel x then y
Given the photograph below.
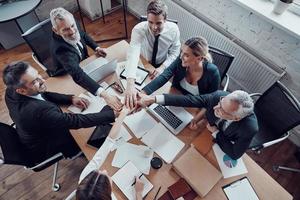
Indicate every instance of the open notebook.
{"type": "Point", "coordinates": [125, 177]}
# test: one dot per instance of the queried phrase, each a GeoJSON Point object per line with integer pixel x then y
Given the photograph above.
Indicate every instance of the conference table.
{"type": "Point", "coordinates": [264, 185]}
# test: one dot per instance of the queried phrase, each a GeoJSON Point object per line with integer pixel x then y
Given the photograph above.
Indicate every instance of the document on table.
{"type": "Point", "coordinates": [96, 104]}
{"type": "Point", "coordinates": [122, 138]}
{"type": "Point", "coordinates": [125, 177]}
{"type": "Point", "coordinates": [163, 142]}
{"type": "Point", "coordinates": [229, 167]}
{"type": "Point", "coordinates": [134, 153]}
{"type": "Point", "coordinates": [240, 189]}
{"type": "Point", "coordinates": [140, 123]}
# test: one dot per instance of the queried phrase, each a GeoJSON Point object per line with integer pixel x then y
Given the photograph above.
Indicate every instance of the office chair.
{"type": "Point", "coordinates": [277, 112]}
{"type": "Point", "coordinates": [38, 38]}
{"type": "Point", "coordinates": [15, 154]}
{"type": "Point", "coordinates": [144, 18]}
{"type": "Point", "coordinates": [277, 168]}
{"type": "Point", "coordinates": [223, 61]}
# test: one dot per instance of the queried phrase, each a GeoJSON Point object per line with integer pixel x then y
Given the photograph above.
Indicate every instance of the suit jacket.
{"type": "Point", "coordinates": [41, 124]}
{"type": "Point", "coordinates": [236, 138]}
{"type": "Point", "coordinates": [209, 82]}
{"type": "Point", "coordinates": [66, 59]}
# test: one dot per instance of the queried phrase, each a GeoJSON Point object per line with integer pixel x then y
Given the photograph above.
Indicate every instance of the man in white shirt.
{"type": "Point", "coordinates": [157, 40]}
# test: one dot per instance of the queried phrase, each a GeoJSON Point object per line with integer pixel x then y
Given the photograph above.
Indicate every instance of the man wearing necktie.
{"type": "Point", "coordinates": [230, 116]}
{"type": "Point", "coordinates": [157, 40]}
{"type": "Point", "coordinates": [69, 48]}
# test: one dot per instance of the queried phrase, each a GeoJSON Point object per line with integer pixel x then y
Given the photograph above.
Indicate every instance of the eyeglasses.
{"type": "Point", "coordinates": [221, 109]}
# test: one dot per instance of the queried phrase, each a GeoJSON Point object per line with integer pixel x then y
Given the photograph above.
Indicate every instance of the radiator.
{"type": "Point", "coordinates": [246, 72]}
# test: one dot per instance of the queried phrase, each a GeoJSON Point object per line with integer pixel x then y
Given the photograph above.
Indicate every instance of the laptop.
{"type": "Point", "coordinates": [173, 118]}
{"type": "Point", "coordinates": [100, 68]}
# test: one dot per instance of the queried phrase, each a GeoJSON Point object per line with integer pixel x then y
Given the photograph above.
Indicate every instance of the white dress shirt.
{"type": "Point", "coordinates": [38, 96]}
{"type": "Point", "coordinates": [142, 41]}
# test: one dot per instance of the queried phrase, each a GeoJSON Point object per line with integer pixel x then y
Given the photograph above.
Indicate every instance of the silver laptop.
{"type": "Point", "coordinates": [100, 68]}
{"type": "Point", "coordinates": [173, 118]}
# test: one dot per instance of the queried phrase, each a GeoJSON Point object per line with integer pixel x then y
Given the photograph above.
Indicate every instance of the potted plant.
{"type": "Point", "coordinates": [281, 5]}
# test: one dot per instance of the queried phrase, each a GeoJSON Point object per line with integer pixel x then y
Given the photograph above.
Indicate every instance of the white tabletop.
{"type": "Point", "coordinates": [11, 11]}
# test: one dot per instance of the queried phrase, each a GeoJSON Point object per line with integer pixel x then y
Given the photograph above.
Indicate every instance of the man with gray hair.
{"type": "Point", "coordinates": [230, 116]}
{"type": "Point", "coordinates": [68, 49]}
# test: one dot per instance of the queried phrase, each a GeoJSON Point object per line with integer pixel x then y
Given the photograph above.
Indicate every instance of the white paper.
{"type": "Point", "coordinates": [122, 138]}
{"type": "Point", "coordinates": [124, 178]}
{"type": "Point", "coordinates": [228, 166]}
{"type": "Point", "coordinates": [139, 123]}
{"type": "Point", "coordinates": [96, 104]}
{"type": "Point", "coordinates": [134, 153]}
{"type": "Point", "coordinates": [163, 142]}
{"type": "Point", "coordinates": [240, 189]}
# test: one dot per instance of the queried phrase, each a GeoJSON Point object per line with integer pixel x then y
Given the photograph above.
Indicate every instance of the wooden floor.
{"type": "Point", "coordinates": [17, 183]}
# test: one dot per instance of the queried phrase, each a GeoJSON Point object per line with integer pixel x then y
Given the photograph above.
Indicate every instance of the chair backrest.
{"type": "Point", "coordinates": [221, 59]}
{"type": "Point", "coordinates": [12, 149]}
{"type": "Point", "coordinates": [144, 18]}
{"type": "Point", "coordinates": [38, 38]}
{"type": "Point", "coordinates": [277, 111]}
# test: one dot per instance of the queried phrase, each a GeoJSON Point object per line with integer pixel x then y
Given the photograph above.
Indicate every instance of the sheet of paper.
{"type": "Point", "coordinates": [122, 138]}
{"type": "Point", "coordinates": [228, 166]}
{"type": "Point", "coordinates": [163, 142]}
{"type": "Point", "coordinates": [139, 123]}
{"type": "Point", "coordinates": [139, 155]}
{"type": "Point", "coordinates": [124, 178]}
{"type": "Point", "coordinates": [96, 104]}
{"type": "Point", "coordinates": [243, 186]}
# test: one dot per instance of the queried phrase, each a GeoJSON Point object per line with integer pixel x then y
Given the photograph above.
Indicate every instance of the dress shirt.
{"type": "Point", "coordinates": [142, 41]}
{"type": "Point", "coordinates": [38, 96]}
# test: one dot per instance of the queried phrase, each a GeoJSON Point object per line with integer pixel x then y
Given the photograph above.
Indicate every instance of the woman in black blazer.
{"type": "Point", "coordinates": [193, 73]}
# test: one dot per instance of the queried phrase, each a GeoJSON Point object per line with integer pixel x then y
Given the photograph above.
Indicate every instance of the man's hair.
{"type": "Point", "coordinates": [59, 14]}
{"type": "Point", "coordinates": [245, 102]}
{"type": "Point", "coordinates": [13, 72]}
{"type": "Point", "coordinates": [157, 7]}
{"type": "Point", "coordinates": [94, 186]}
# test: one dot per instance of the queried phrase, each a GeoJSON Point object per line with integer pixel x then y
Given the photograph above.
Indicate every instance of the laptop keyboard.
{"type": "Point", "coordinates": [168, 116]}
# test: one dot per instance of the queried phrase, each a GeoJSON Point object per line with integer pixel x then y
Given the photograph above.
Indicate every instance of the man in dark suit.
{"type": "Point", "coordinates": [69, 48]}
{"type": "Point", "coordinates": [41, 125]}
{"type": "Point", "coordinates": [230, 116]}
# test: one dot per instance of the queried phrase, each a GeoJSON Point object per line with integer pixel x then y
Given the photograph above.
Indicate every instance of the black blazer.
{"type": "Point", "coordinates": [66, 59]}
{"type": "Point", "coordinates": [39, 122]}
{"type": "Point", "coordinates": [209, 82]}
{"type": "Point", "coordinates": [236, 138]}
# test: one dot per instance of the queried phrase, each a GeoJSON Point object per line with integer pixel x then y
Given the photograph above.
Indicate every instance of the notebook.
{"type": "Point", "coordinates": [163, 142]}
{"type": "Point", "coordinates": [240, 189]}
{"type": "Point", "coordinates": [125, 177]}
{"type": "Point", "coordinates": [202, 177]}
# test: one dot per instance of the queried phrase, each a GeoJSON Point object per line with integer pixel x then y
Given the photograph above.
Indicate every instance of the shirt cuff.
{"type": "Point", "coordinates": [160, 99]}
{"type": "Point", "coordinates": [214, 134]}
{"type": "Point", "coordinates": [99, 91]}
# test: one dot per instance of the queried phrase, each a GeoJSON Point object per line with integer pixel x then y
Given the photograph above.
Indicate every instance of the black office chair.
{"type": "Point", "coordinates": [144, 18]}
{"type": "Point", "coordinates": [223, 61]}
{"type": "Point", "coordinates": [15, 154]}
{"type": "Point", "coordinates": [277, 168]}
{"type": "Point", "coordinates": [277, 111]}
{"type": "Point", "coordinates": [38, 38]}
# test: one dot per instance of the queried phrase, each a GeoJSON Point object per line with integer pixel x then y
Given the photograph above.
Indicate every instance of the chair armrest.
{"type": "Point", "coordinates": [267, 144]}
{"type": "Point", "coordinates": [47, 162]}
{"type": "Point", "coordinates": [226, 82]}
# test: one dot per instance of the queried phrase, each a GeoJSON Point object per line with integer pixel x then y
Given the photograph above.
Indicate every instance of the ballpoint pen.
{"type": "Point", "coordinates": [157, 192]}
{"type": "Point", "coordinates": [135, 180]}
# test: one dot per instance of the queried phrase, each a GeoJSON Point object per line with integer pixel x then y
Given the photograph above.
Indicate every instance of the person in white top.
{"type": "Point", "coordinates": [157, 40]}
{"type": "Point", "coordinates": [96, 184]}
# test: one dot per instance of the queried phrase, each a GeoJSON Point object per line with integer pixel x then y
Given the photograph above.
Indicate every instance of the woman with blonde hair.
{"type": "Point", "coordinates": [193, 73]}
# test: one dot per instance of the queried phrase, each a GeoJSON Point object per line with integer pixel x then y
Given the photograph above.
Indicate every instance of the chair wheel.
{"type": "Point", "coordinates": [56, 187]}
{"type": "Point", "coordinates": [275, 168]}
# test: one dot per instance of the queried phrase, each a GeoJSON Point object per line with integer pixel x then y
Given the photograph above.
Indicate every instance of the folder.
{"type": "Point", "coordinates": [202, 177]}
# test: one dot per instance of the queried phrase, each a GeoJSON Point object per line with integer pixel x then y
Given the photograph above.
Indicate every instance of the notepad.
{"type": "Point", "coordinates": [240, 189]}
{"type": "Point", "coordinates": [122, 138]}
{"type": "Point", "coordinates": [139, 123]}
{"type": "Point", "coordinates": [134, 153]}
{"type": "Point", "coordinates": [125, 177]}
{"type": "Point", "coordinates": [163, 142]}
{"type": "Point", "coordinates": [96, 104]}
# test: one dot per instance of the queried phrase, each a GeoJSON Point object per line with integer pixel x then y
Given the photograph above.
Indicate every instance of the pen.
{"type": "Point", "coordinates": [135, 180]}
{"type": "Point", "coordinates": [157, 192]}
